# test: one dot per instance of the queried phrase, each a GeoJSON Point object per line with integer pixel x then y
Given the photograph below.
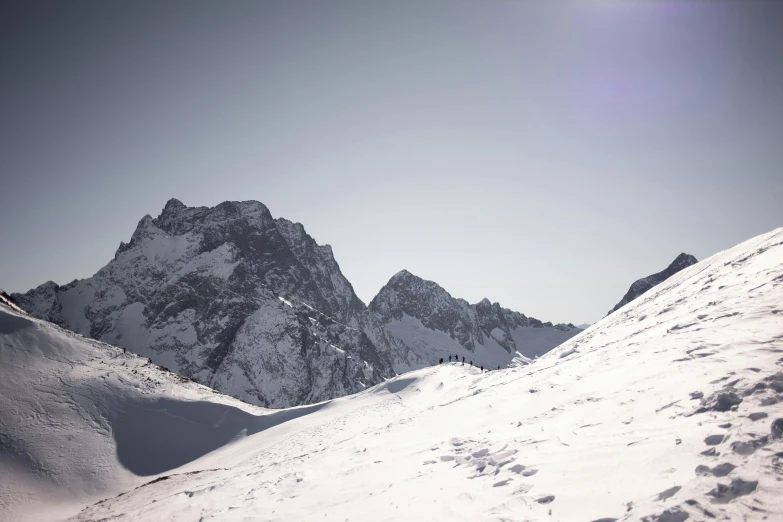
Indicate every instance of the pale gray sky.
{"type": "Point", "coordinates": [541, 154]}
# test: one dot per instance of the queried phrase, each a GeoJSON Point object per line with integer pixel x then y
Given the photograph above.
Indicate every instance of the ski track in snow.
{"type": "Point", "coordinates": [669, 409]}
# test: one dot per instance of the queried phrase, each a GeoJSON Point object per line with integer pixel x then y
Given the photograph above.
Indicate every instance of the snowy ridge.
{"type": "Point", "coordinates": [644, 284]}
{"type": "Point", "coordinates": [79, 421]}
{"type": "Point", "coordinates": [425, 318]}
{"type": "Point", "coordinates": [671, 409]}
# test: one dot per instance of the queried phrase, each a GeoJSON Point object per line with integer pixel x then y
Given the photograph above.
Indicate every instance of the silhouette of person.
{"type": "Point", "coordinates": [482, 368]}
{"type": "Point", "coordinates": [449, 358]}
{"type": "Point", "coordinates": [463, 359]}
{"type": "Point", "coordinates": [441, 360]}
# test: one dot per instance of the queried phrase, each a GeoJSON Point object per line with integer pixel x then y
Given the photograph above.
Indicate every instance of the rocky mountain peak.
{"type": "Point", "coordinates": [483, 331]}
{"type": "Point", "coordinates": [682, 261]}
{"type": "Point", "coordinates": [173, 205]}
{"type": "Point", "coordinates": [644, 284]}
{"type": "Point", "coordinates": [228, 295]}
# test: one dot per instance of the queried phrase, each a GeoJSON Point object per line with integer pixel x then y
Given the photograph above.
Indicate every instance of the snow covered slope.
{"type": "Point", "coordinates": [197, 290]}
{"type": "Point", "coordinates": [81, 419]}
{"type": "Point", "coordinates": [642, 285]}
{"type": "Point", "coordinates": [669, 409]}
{"type": "Point", "coordinates": [7, 301]}
{"type": "Point", "coordinates": [429, 323]}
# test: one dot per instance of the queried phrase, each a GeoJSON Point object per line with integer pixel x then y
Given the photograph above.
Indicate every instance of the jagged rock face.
{"type": "Point", "coordinates": [428, 302]}
{"type": "Point", "coordinates": [421, 314]}
{"type": "Point", "coordinates": [197, 290]}
{"type": "Point", "coordinates": [642, 285]}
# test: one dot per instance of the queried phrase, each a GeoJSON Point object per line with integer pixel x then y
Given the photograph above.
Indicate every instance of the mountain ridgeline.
{"type": "Point", "coordinates": [642, 285]}
{"type": "Point", "coordinates": [421, 314]}
{"type": "Point", "coordinates": [253, 307]}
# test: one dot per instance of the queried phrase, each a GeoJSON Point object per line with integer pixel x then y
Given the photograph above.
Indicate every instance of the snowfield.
{"type": "Point", "coordinates": [669, 409]}
{"type": "Point", "coordinates": [80, 419]}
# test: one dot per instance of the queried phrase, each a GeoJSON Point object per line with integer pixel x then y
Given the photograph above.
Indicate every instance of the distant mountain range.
{"type": "Point", "coordinates": [253, 307]}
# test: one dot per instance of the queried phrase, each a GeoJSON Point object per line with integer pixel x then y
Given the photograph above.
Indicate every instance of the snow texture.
{"type": "Point", "coordinates": [80, 419]}
{"type": "Point", "coordinates": [669, 409]}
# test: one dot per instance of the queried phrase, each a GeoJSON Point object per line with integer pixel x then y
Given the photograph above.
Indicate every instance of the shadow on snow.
{"type": "Point", "coordinates": [157, 436]}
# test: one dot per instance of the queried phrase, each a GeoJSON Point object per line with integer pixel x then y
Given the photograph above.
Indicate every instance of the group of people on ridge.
{"type": "Point", "coordinates": [456, 359]}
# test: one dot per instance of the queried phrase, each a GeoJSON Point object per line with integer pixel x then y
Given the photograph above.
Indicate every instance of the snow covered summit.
{"type": "Point", "coordinates": [199, 291]}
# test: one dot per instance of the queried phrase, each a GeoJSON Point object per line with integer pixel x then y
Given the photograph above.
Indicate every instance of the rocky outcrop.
{"type": "Point", "coordinates": [642, 285]}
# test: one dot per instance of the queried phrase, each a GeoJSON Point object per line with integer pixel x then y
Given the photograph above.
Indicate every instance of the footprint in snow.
{"type": "Point", "coordinates": [723, 494]}
{"type": "Point", "coordinates": [713, 440]}
{"type": "Point", "coordinates": [670, 515]}
{"type": "Point", "coordinates": [669, 493]}
{"type": "Point", "coordinates": [721, 470]}
{"type": "Point", "coordinates": [750, 446]}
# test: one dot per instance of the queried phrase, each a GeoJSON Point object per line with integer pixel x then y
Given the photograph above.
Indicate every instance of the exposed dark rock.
{"type": "Point", "coordinates": [644, 284]}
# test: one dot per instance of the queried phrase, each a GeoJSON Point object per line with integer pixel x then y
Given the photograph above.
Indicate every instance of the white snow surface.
{"type": "Point", "coordinates": [80, 419]}
{"type": "Point", "coordinates": [609, 425]}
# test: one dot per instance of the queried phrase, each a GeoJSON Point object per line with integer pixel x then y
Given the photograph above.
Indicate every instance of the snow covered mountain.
{"type": "Point", "coordinates": [669, 410]}
{"type": "Point", "coordinates": [253, 307]}
{"type": "Point", "coordinates": [247, 304]}
{"type": "Point", "coordinates": [642, 285]}
{"type": "Point", "coordinates": [432, 324]}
